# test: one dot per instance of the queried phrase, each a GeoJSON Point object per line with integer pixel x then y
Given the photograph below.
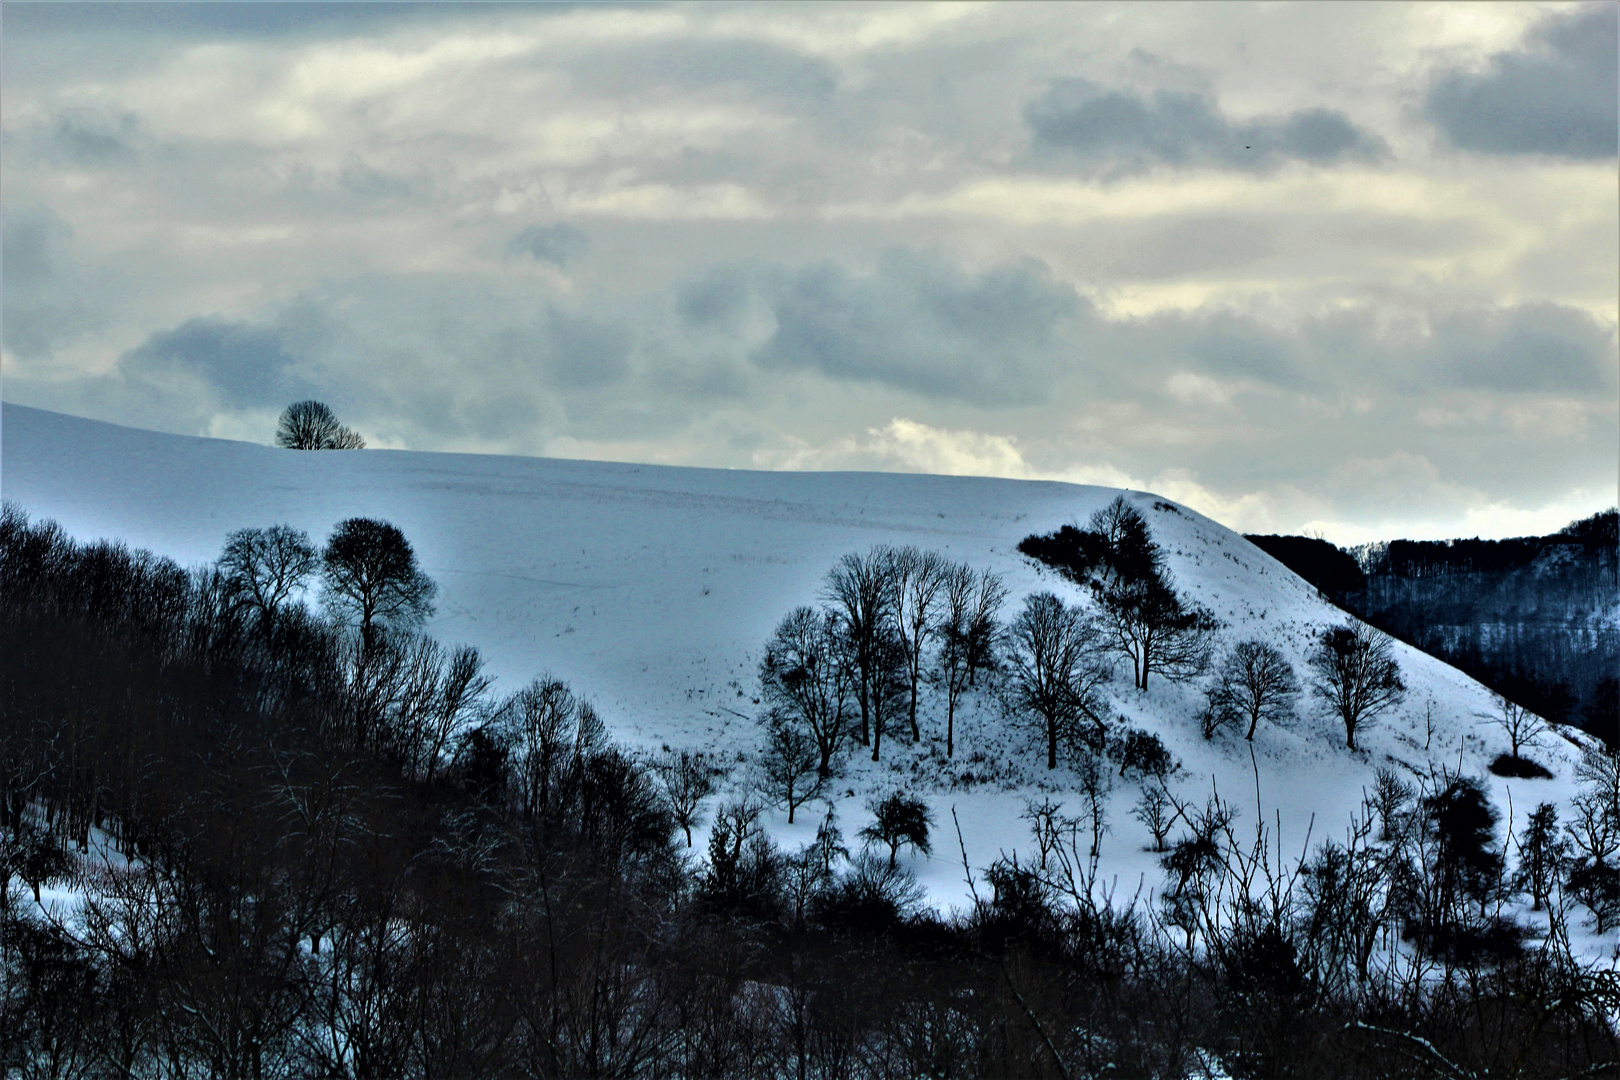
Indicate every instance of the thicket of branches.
{"type": "Point", "coordinates": [285, 871]}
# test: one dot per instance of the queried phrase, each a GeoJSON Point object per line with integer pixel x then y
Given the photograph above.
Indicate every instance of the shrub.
{"type": "Point", "coordinates": [1143, 753]}
{"type": "Point", "coordinates": [900, 819]}
{"type": "Point", "coordinates": [1519, 767]}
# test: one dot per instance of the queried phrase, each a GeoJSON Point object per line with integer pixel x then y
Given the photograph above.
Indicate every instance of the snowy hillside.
{"type": "Point", "coordinates": [652, 590]}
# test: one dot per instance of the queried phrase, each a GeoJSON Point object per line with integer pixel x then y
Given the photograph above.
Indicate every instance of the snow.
{"type": "Point", "coordinates": [652, 589]}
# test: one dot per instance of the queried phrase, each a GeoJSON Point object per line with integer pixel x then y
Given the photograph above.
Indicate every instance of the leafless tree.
{"type": "Point", "coordinates": [861, 590]}
{"type": "Point", "coordinates": [1355, 673]}
{"type": "Point", "coordinates": [310, 425]}
{"type": "Point", "coordinates": [789, 765]}
{"type": "Point", "coordinates": [806, 679]}
{"type": "Point", "coordinates": [1057, 667]}
{"type": "Point", "coordinates": [1523, 728]}
{"type": "Point", "coordinates": [1155, 629]}
{"type": "Point", "coordinates": [1254, 683]}
{"type": "Point", "coordinates": [1391, 798]}
{"type": "Point", "coordinates": [886, 692]}
{"type": "Point", "coordinates": [1594, 834]}
{"type": "Point", "coordinates": [687, 778]}
{"type": "Point", "coordinates": [543, 718]}
{"type": "Point", "coordinates": [264, 567]}
{"type": "Point", "coordinates": [919, 576]}
{"type": "Point", "coordinates": [1156, 812]}
{"type": "Point", "coordinates": [441, 692]}
{"type": "Point", "coordinates": [968, 631]}
{"type": "Point", "coordinates": [898, 820]}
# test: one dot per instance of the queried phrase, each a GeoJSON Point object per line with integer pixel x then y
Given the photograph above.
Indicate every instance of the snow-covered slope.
{"type": "Point", "coordinates": [651, 590]}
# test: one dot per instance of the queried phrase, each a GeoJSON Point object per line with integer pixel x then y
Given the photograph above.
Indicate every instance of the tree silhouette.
{"type": "Point", "coordinates": [1254, 683]}
{"type": "Point", "coordinates": [899, 819]}
{"type": "Point", "coordinates": [310, 425]}
{"type": "Point", "coordinates": [262, 567]}
{"type": "Point", "coordinates": [1356, 674]}
{"type": "Point", "coordinates": [1055, 657]}
{"type": "Point", "coordinates": [371, 577]}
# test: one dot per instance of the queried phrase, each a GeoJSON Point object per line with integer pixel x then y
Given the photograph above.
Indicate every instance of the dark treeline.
{"type": "Point", "coordinates": [280, 869]}
{"type": "Point", "coordinates": [1520, 615]}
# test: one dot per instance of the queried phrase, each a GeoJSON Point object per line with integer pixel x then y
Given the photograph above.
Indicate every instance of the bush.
{"type": "Point", "coordinates": [1519, 767]}
{"type": "Point", "coordinates": [901, 819]}
{"type": "Point", "coordinates": [1143, 753]}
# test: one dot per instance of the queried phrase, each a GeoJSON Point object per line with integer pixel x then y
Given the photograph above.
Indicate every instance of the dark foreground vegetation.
{"type": "Point", "coordinates": [317, 846]}
{"type": "Point", "coordinates": [1519, 615]}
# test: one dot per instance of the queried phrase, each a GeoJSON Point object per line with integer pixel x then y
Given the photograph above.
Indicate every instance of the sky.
{"type": "Point", "coordinates": [1342, 269]}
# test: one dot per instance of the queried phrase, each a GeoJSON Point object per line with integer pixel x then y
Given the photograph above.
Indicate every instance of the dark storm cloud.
{"type": "Point", "coordinates": [248, 365]}
{"type": "Point", "coordinates": [1121, 132]}
{"type": "Point", "coordinates": [1557, 97]}
{"type": "Point", "coordinates": [920, 324]}
{"type": "Point", "coordinates": [559, 244]}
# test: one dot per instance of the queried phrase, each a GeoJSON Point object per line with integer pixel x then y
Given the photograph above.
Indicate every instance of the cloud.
{"type": "Point", "coordinates": [45, 288]}
{"type": "Point", "coordinates": [920, 324]}
{"type": "Point", "coordinates": [758, 67]}
{"type": "Point", "coordinates": [1538, 347]}
{"type": "Point", "coordinates": [559, 244]}
{"type": "Point", "coordinates": [248, 365]}
{"type": "Point", "coordinates": [1120, 132]}
{"type": "Point", "coordinates": [1558, 96]}
{"type": "Point", "coordinates": [90, 137]}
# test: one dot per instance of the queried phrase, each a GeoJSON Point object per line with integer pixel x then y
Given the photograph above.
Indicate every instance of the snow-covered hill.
{"type": "Point", "coordinates": [651, 590]}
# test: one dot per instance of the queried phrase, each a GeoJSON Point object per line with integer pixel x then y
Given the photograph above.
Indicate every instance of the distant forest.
{"type": "Point", "coordinates": [1533, 617]}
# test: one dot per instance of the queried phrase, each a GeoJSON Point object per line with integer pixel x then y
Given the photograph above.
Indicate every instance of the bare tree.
{"type": "Point", "coordinates": [687, 778]}
{"type": "Point", "coordinates": [371, 577]}
{"type": "Point", "coordinates": [1057, 666]}
{"type": "Point", "coordinates": [543, 718]}
{"type": "Point", "coordinates": [1355, 673]}
{"type": "Point", "coordinates": [1147, 622]}
{"type": "Point", "coordinates": [1523, 728]}
{"type": "Point", "coordinates": [1155, 811]}
{"type": "Point", "coordinates": [968, 631]}
{"type": "Point", "coordinates": [310, 425]}
{"type": "Point", "coordinates": [460, 698]}
{"type": "Point", "coordinates": [886, 691]}
{"type": "Point", "coordinates": [919, 577]}
{"type": "Point", "coordinates": [1594, 834]}
{"type": "Point", "coordinates": [438, 693]}
{"type": "Point", "coordinates": [789, 764]}
{"type": "Point", "coordinates": [861, 590]}
{"type": "Point", "coordinates": [264, 567]}
{"type": "Point", "coordinates": [1155, 629]}
{"type": "Point", "coordinates": [1254, 683]}
{"type": "Point", "coordinates": [806, 679]}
